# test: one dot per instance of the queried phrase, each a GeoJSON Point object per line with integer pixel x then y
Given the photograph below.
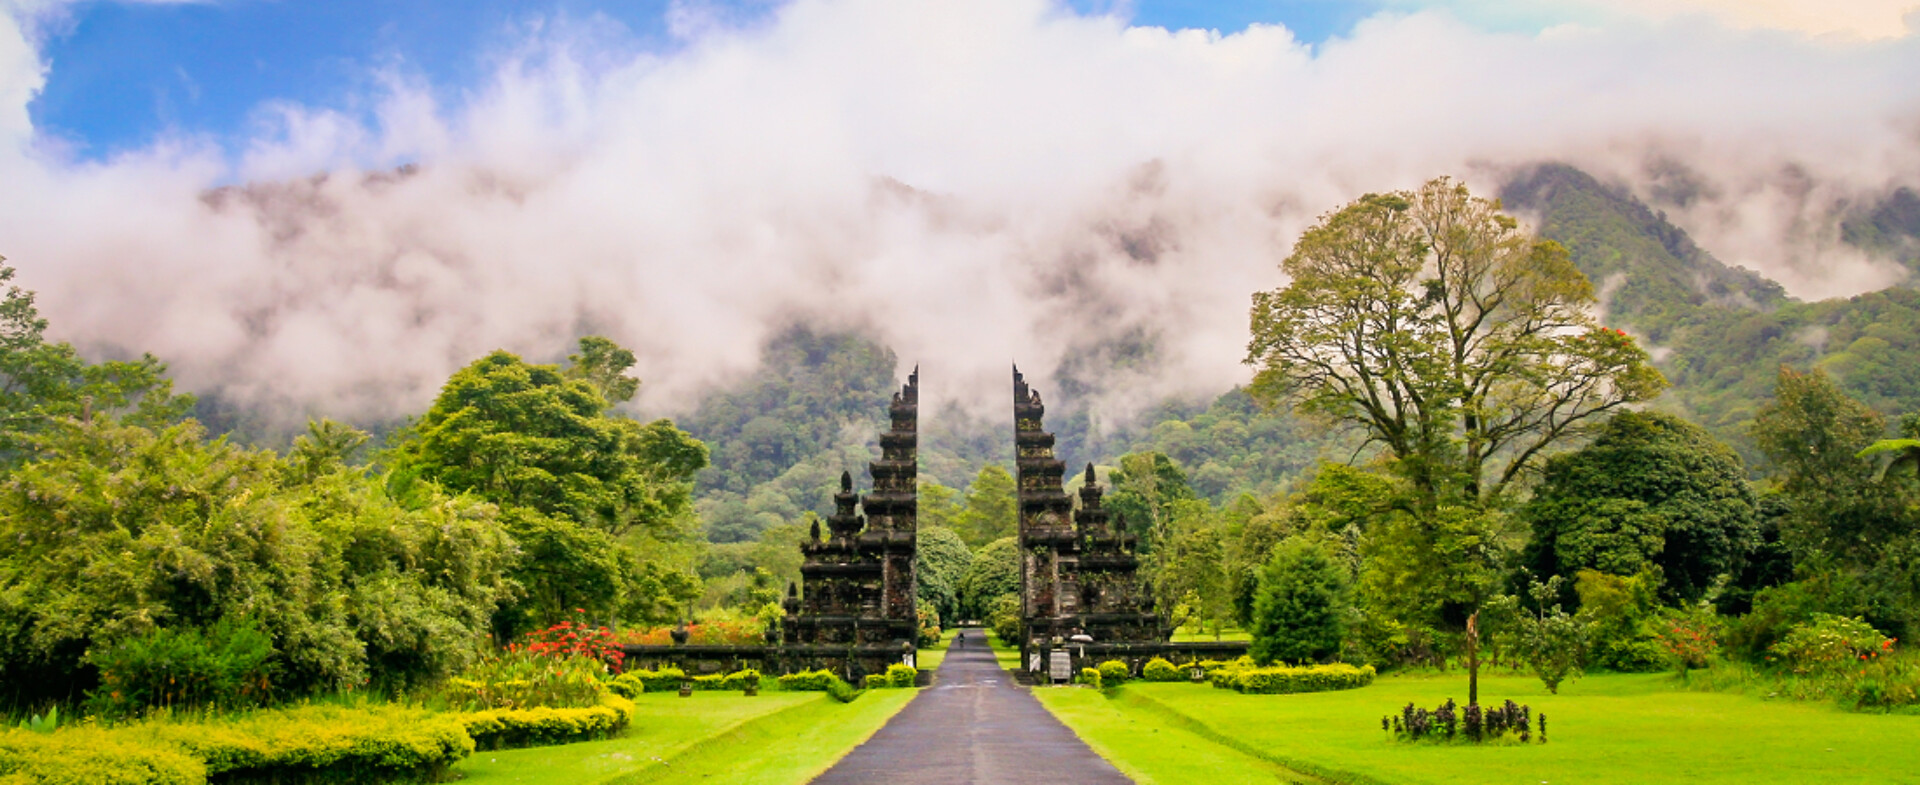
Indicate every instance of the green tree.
{"type": "Point", "coordinates": [1430, 322]}
{"type": "Point", "coordinates": [1812, 434]}
{"type": "Point", "coordinates": [41, 382]}
{"type": "Point", "coordinates": [940, 564]}
{"type": "Point", "coordinates": [1651, 490]}
{"type": "Point", "coordinates": [992, 511]}
{"type": "Point", "coordinates": [995, 573]}
{"type": "Point", "coordinates": [938, 506]}
{"type": "Point", "coordinates": [1298, 613]}
{"type": "Point", "coordinates": [589, 497]}
{"type": "Point", "coordinates": [1146, 487]}
{"type": "Point", "coordinates": [118, 531]}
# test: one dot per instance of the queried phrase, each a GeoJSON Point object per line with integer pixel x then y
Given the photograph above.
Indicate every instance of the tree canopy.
{"type": "Point", "coordinates": [1430, 321]}
{"type": "Point", "coordinates": [1651, 491]}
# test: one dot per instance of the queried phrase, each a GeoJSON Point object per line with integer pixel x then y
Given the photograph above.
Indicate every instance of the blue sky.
{"type": "Point", "coordinates": [123, 74]}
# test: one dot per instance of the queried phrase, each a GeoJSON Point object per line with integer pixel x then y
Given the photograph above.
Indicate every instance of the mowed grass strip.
{"type": "Point", "coordinates": [1606, 728]}
{"type": "Point", "coordinates": [664, 725]}
{"type": "Point", "coordinates": [1176, 754]}
{"type": "Point", "coordinates": [786, 748]}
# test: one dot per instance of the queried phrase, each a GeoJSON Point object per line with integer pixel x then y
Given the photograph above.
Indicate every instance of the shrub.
{"type": "Point", "coordinates": [315, 742]}
{"type": "Point", "coordinates": [1688, 641]}
{"type": "Point", "coordinates": [518, 680]}
{"type": "Point", "coordinates": [570, 639]}
{"type": "Point", "coordinates": [1114, 673]}
{"type": "Point", "coordinates": [841, 691]}
{"type": "Point", "coordinates": [1090, 677]}
{"type": "Point", "coordinates": [809, 681]}
{"type": "Point", "coordinates": [94, 756]}
{"type": "Point", "coordinates": [1298, 607]}
{"type": "Point", "coordinates": [666, 679]}
{"type": "Point", "coordinates": [1005, 619]}
{"type": "Point", "coordinates": [1312, 678]}
{"type": "Point", "coordinates": [226, 666]}
{"type": "Point", "coordinates": [1471, 723]}
{"type": "Point", "coordinates": [901, 675]}
{"type": "Point", "coordinates": [1829, 641]}
{"type": "Point", "coordinates": [741, 680]}
{"type": "Point", "coordinates": [1159, 669]}
{"type": "Point", "coordinates": [535, 727]}
{"type": "Point", "coordinates": [875, 681]}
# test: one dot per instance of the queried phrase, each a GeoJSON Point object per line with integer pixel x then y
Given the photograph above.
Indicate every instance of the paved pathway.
{"type": "Point", "coordinates": [972, 726]}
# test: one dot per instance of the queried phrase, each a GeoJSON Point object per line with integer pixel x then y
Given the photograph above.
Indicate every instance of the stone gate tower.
{"type": "Point", "coordinates": [1078, 575]}
{"type": "Point", "coordinates": [855, 611]}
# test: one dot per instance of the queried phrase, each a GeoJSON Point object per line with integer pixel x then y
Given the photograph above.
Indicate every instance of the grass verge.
{"type": "Point", "coordinates": [1604, 728]}
{"type": "Point", "coordinates": [777, 737]}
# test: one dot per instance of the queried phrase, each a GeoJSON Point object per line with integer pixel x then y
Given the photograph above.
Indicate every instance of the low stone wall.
{"type": "Point", "coordinates": [853, 663]}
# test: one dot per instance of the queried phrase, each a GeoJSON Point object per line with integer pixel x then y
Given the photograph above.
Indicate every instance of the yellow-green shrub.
{"type": "Point", "coordinates": [501, 729]}
{"type": "Point", "coordinates": [93, 756]}
{"type": "Point", "coordinates": [1312, 678]}
{"type": "Point", "coordinates": [809, 681]}
{"type": "Point", "coordinates": [1114, 673]}
{"type": "Point", "coordinates": [901, 675]}
{"type": "Point", "coordinates": [1159, 669]}
{"type": "Point", "coordinates": [346, 744]}
{"type": "Point", "coordinates": [1090, 677]}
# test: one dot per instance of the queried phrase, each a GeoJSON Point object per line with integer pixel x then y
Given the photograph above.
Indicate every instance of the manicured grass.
{"type": "Point", "coordinates": [1178, 755]}
{"type": "Point", "coordinates": [787, 748]}
{"type": "Point", "coordinates": [1190, 635]}
{"type": "Point", "coordinates": [1007, 656]}
{"type": "Point", "coordinates": [776, 737]}
{"type": "Point", "coordinates": [1605, 728]}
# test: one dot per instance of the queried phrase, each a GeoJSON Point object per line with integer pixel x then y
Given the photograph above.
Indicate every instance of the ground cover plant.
{"type": "Point", "coordinates": [1606, 728]}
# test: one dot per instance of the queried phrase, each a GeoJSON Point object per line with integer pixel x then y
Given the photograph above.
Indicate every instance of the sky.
{"type": "Point", "coordinates": [327, 207]}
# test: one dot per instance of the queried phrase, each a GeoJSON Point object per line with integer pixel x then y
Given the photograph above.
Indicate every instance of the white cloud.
{"type": "Point", "coordinates": [974, 182]}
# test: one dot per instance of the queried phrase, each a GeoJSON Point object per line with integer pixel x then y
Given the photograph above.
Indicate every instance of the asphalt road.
{"type": "Point", "coordinates": [972, 726]}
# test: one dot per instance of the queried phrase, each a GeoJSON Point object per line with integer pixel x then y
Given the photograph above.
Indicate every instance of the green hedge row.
{"type": "Point", "coordinates": [501, 729]}
{"type": "Point", "coordinates": [303, 744]}
{"type": "Point", "coordinates": [632, 683]}
{"type": "Point", "coordinates": [1282, 680]}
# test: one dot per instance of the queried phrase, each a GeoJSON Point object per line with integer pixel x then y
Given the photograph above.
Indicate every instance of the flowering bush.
{"type": "Point", "coordinates": [518, 679]}
{"type": "Point", "coordinates": [1830, 642]}
{"type": "Point", "coordinates": [574, 639]}
{"type": "Point", "coordinates": [1687, 640]}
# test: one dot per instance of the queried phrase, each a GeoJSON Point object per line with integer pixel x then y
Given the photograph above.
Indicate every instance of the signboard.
{"type": "Point", "coordinates": [1060, 668]}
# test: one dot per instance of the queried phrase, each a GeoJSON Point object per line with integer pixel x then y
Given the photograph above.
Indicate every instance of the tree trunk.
{"type": "Point", "coordinates": [1473, 659]}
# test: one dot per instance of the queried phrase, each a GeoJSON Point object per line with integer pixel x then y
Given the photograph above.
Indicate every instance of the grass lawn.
{"type": "Point", "coordinates": [776, 737]}
{"type": "Point", "coordinates": [1191, 635]}
{"type": "Point", "coordinates": [1606, 728]}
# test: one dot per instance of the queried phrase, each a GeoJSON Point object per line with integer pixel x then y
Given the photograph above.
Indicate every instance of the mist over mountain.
{"type": "Point", "coordinates": [970, 185]}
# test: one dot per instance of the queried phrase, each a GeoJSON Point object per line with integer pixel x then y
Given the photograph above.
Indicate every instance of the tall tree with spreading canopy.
{"type": "Point", "coordinates": [588, 495]}
{"type": "Point", "coordinates": [1429, 320]}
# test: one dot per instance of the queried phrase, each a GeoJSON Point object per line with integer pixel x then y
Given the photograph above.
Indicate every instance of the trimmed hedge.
{"type": "Point", "coordinates": [1090, 677]}
{"type": "Point", "coordinates": [635, 682]}
{"type": "Point", "coordinates": [93, 756]}
{"type": "Point", "coordinates": [876, 681]}
{"type": "Point", "coordinates": [501, 729]}
{"type": "Point", "coordinates": [1114, 673]}
{"type": "Point", "coordinates": [317, 743]}
{"type": "Point", "coordinates": [901, 675]}
{"type": "Point", "coordinates": [1159, 669]}
{"type": "Point", "coordinates": [809, 681]}
{"type": "Point", "coordinates": [1284, 680]}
